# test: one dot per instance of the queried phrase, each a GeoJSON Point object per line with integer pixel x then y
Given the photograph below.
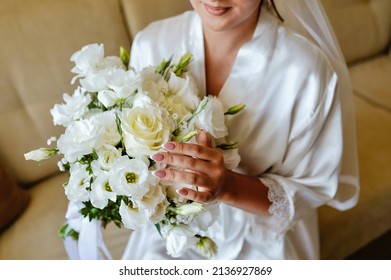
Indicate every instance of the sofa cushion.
{"type": "Point", "coordinates": [342, 233]}
{"type": "Point", "coordinates": [363, 28]}
{"type": "Point", "coordinates": [13, 199]}
{"type": "Point", "coordinates": [371, 80]}
{"type": "Point", "coordinates": [38, 38]}
{"type": "Point", "coordinates": [34, 235]}
{"type": "Point", "coordinates": [140, 13]}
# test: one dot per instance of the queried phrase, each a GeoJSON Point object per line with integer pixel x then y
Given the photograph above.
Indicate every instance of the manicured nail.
{"type": "Point", "coordinates": [159, 174]}
{"type": "Point", "coordinates": [157, 157]}
{"type": "Point", "coordinates": [169, 146]}
{"type": "Point", "coordinates": [182, 192]}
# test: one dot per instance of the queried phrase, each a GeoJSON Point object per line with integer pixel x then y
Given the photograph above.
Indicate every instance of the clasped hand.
{"type": "Point", "coordinates": [194, 164]}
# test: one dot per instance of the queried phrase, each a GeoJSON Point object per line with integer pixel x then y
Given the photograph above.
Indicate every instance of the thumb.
{"type": "Point", "coordinates": [204, 139]}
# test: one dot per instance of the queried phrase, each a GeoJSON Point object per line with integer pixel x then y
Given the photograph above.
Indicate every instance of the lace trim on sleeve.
{"type": "Point", "coordinates": [281, 206]}
{"type": "Point", "coordinates": [278, 198]}
{"type": "Point", "coordinates": [266, 232]}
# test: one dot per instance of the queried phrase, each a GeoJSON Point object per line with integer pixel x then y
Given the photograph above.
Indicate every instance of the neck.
{"type": "Point", "coordinates": [230, 40]}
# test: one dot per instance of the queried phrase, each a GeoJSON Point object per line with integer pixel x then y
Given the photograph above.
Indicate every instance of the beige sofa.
{"type": "Point", "coordinates": [37, 39]}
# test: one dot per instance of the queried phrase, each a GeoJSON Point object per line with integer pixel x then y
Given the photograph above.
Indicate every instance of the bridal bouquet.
{"type": "Point", "coordinates": [113, 122]}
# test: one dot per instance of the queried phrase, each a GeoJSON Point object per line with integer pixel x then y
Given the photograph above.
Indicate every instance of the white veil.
{"type": "Point", "coordinates": [308, 18]}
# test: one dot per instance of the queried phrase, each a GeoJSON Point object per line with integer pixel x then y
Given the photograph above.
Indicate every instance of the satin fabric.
{"type": "Point", "coordinates": [290, 136]}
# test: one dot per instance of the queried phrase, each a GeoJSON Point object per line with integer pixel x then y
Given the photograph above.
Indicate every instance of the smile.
{"type": "Point", "coordinates": [216, 11]}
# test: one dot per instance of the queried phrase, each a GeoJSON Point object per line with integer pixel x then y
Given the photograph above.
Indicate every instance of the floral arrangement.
{"type": "Point", "coordinates": [113, 122]}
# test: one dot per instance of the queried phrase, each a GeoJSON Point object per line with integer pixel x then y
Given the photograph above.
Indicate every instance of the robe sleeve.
{"type": "Point", "coordinates": [307, 177]}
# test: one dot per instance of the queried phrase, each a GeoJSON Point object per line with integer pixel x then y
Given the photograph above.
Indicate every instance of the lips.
{"type": "Point", "coordinates": [215, 10]}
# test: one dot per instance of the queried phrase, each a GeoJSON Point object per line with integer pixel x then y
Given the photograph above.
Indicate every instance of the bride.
{"type": "Point", "coordinates": [281, 60]}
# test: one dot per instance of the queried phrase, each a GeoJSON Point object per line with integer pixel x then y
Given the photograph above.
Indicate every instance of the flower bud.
{"type": "Point", "coordinates": [188, 136]}
{"type": "Point", "coordinates": [189, 209]}
{"type": "Point", "coordinates": [124, 55]}
{"type": "Point", "coordinates": [235, 109]}
{"type": "Point", "coordinates": [40, 154]}
{"type": "Point", "coordinates": [207, 246]}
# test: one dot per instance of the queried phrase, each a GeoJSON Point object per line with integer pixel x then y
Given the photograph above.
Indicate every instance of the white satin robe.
{"type": "Point", "coordinates": [289, 135]}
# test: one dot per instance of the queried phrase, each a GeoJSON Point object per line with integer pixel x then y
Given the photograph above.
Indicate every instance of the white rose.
{"type": "Point", "coordinates": [211, 117]}
{"type": "Point", "coordinates": [75, 107]}
{"type": "Point", "coordinates": [79, 182]}
{"type": "Point", "coordinates": [144, 130]}
{"type": "Point", "coordinates": [132, 218]}
{"type": "Point", "coordinates": [101, 191]}
{"type": "Point", "coordinates": [80, 138]}
{"type": "Point", "coordinates": [130, 177]}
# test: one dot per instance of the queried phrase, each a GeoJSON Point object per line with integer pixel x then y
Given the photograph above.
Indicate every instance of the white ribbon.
{"type": "Point", "coordinates": [90, 244]}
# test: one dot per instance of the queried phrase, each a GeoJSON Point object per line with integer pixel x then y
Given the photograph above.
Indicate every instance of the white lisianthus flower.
{"type": "Point", "coordinates": [176, 108]}
{"type": "Point", "coordinates": [184, 88]}
{"type": "Point", "coordinates": [107, 122]}
{"type": "Point", "coordinates": [75, 107]}
{"type": "Point", "coordinates": [91, 60]}
{"type": "Point", "coordinates": [204, 219]}
{"type": "Point", "coordinates": [159, 212]}
{"type": "Point", "coordinates": [207, 247]}
{"type": "Point", "coordinates": [231, 158]}
{"type": "Point", "coordinates": [92, 66]}
{"type": "Point", "coordinates": [144, 130]}
{"type": "Point", "coordinates": [132, 217]}
{"type": "Point", "coordinates": [121, 85]}
{"type": "Point", "coordinates": [211, 117]}
{"type": "Point", "coordinates": [107, 155]}
{"type": "Point", "coordinates": [79, 182]}
{"type": "Point", "coordinates": [130, 177]}
{"type": "Point", "coordinates": [151, 199]}
{"type": "Point", "coordinates": [101, 191]}
{"type": "Point", "coordinates": [40, 154]}
{"type": "Point", "coordinates": [153, 84]}
{"type": "Point", "coordinates": [179, 239]}
{"type": "Point", "coordinates": [80, 138]}
{"type": "Point", "coordinates": [95, 82]}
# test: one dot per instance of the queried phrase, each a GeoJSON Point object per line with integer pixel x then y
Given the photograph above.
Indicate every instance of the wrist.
{"type": "Point", "coordinates": [226, 190]}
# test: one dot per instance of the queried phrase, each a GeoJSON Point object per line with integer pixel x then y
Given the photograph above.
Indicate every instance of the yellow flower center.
{"type": "Point", "coordinates": [107, 187]}
{"type": "Point", "coordinates": [131, 177]}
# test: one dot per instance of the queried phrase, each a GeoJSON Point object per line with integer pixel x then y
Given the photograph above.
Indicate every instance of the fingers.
{"type": "Point", "coordinates": [202, 194]}
{"type": "Point", "coordinates": [183, 162]}
{"type": "Point", "coordinates": [197, 196]}
{"type": "Point", "coordinates": [192, 150]}
{"type": "Point", "coordinates": [193, 164]}
{"type": "Point", "coordinates": [186, 177]}
{"type": "Point", "coordinates": [204, 139]}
